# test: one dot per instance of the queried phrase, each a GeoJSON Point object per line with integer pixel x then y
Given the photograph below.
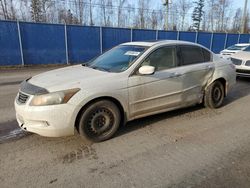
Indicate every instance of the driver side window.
{"type": "Point", "coordinates": [162, 58]}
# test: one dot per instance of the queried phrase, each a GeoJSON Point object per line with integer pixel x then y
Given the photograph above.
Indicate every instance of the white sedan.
{"type": "Point", "coordinates": [231, 50]}
{"type": "Point", "coordinates": [242, 62]}
{"type": "Point", "coordinates": [130, 81]}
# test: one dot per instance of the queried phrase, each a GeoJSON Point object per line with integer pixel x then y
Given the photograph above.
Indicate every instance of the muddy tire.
{"type": "Point", "coordinates": [100, 121]}
{"type": "Point", "coordinates": [214, 95]}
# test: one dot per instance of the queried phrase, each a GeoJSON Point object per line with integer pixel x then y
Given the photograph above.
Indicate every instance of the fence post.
{"type": "Point", "coordinates": [20, 42]}
{"type": "Point", "coordinates": [131, 35]}
{"type": "Point", "coordinates": [101, 50]}
{"type": "Point", "coordinates": [211, 42]}
{"type": "Point", "coordinates": [225, 44]}
{"type": "Point", "coordinates": [239, 37]}
{"type": "Point", "coordinates": [156, 34]}
{"type": "Point", "coordinates": [196, 37]}
{"type": "Point", "coordinates": [66, 43]}
{"type": "Point", "coordinates": [178, 35]}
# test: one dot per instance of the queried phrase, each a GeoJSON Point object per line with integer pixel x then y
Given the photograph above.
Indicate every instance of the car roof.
{"type": "Point", "coordinates": [158, 42]}
{"type": "Point", "coordinates": [242, 44]}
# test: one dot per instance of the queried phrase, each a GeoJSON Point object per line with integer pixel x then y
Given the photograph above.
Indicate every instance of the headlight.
{"type": "Point", "coordinates": [59, 97]}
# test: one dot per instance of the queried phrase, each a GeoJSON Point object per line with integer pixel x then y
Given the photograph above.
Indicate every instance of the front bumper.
{"type": "Point", "coordinates": [50, 121]}
{"type": "Point", "coordinates": [243, 71]}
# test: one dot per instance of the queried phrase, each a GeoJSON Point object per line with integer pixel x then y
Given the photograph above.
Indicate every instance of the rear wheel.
{"type": "Point", "coordinates": [214, 95]}
{"type": "Point", "coordinates": [100, 121]}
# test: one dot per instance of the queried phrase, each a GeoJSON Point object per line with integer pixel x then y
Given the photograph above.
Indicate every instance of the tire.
{"type": "Point", "coordinates": [100, 121]}
{"type": "Point", "coordinates": [214, 95]}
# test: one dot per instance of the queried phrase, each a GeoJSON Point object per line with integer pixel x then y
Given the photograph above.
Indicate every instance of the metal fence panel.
{"type": "Point", "coordinates": [9, 44]}
{"type": "Point", "coordinates": [114, 36]}
{"type": "Point", "coordinates": [141, 35]}
{"type": "Point", "coordinates": [244, 38]}
{"type": "Point", "coordinates": [187, 36]}
{"type": "Point", "coordinates": [47, 44]}
{"type": "Point", "coordinates": [232, 39]}
{"type": "Point", "coordinates": [83, 43]}
{"type": "Point", "coordinates": [43, 43]}
{"type": "Point", "coordinates": [170, 35]}
{"type": "Point", "coordinates": [218, 42]}
{"type": "Point", "coordinates": [204, 39]}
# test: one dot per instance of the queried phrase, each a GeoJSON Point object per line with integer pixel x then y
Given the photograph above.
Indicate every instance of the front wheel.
{"type": "Point", "coordinates": [100, 121]}
{"type": "Point", "coordinates": [214, 95]}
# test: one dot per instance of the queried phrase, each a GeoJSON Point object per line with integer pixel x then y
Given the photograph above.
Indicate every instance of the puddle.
{"type": "Point", "coordinates": [11, 131]}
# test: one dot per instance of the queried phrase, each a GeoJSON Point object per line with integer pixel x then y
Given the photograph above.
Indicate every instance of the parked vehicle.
{"type": "Point", "coordinates": [227, 53]}
{"type": "Point", "coordinates": [242, 62]}
{"type": "Point", "coordinates": [130, 81]}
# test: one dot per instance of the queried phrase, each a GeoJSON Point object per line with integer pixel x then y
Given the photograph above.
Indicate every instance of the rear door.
{"type": "Point", "coordinates": [197, 68]}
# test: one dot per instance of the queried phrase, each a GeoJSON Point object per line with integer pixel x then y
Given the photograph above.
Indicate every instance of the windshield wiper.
{"type": "Point", "coordinates": [85, 64]}
{"type": "Point", "coordinates": [100, 68]}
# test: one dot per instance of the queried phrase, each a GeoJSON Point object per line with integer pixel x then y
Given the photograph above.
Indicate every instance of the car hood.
{"type": "Point", "coordinates": [69, 77]}
{"type": "Point", "coordinates": [245, 56]}
{"type": "Point", "coordinates": [229, 51]}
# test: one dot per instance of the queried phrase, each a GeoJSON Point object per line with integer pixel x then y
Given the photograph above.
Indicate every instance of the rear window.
{"type": "Point", "coordinates": [191, 55]}
{"type": "Point", "coordinates": [207, 55]}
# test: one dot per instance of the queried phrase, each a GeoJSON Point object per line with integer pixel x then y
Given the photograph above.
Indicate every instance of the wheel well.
{"type": "Point", "coordinates": [224, 82]}
{"type": "Point", "coordinates": [115, 101]}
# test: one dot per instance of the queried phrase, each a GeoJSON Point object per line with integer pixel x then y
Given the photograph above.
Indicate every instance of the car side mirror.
{"type": "Point", "coordinates": [147, 70]}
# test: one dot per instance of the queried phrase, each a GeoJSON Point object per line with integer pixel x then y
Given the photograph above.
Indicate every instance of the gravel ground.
{"type": "Point", "coordinates": [192, 147]}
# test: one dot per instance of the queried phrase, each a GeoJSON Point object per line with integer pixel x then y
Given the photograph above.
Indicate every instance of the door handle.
{"type": "Point", "coordinates": [209, 67]}
{"type": "Point", "coordinates": [176, 74]}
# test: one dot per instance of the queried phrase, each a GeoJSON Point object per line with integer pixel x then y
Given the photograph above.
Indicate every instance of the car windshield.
{"type": "Point", "coordinates": [247, 49]}
{"type": "Point", "coordinates": [236, 47]}
{"type": "Point", "coordinates": [117, 59]}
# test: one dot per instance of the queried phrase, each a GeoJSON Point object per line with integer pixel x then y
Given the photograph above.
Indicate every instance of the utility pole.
{"type": "Point", "coordinates": [166, 3]}
{"type": "Point", "coordinates": [244, 18]}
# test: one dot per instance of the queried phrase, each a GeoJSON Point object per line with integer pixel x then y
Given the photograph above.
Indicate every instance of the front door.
{"type": "Point", "coordinates": [149, 94]}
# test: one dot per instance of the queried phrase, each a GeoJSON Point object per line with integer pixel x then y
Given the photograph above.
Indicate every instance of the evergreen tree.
{"type": "Point", "coordinates": [36, 10]}
{"type": "Point", "coordinates": [198, 14]}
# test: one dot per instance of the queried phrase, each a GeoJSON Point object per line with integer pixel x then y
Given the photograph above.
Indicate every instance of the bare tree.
{"type": "Point", "coordinates": [175, 16]}
{"type": "Point", "coordinates": [224, 8]}
{"type": "Point", "coordinates": [211, 10]}
{"type": "Point", "coordinates": [91, 13]}
{"type": "Point", "coordinates": [4, 9]}
{"type": "Point", "coordinates": [143, 14]}
{"type": "Point", "coordinates": [184, 7]}
{"type": "Point", "coordinates": [45, 6]}
{"type": "Point", "coordinates": [154, 20]}
{"type": "Point", "coordinates": [12, 11]}
{"type": "Point", "coordinates": [119, 11]}
{"type": "Point", "coordinates": [23, 8]}
{"type": "Point", "coordinates": [80, 6]}
{"type": "Point", "coordinates": [67, 17]}
{"type": "Point", "coordinates": [103, 4]}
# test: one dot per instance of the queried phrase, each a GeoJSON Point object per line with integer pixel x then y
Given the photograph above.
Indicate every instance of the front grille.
{"type": "Point", "coordinates": [236, 61]}
{"type": "Point", "coordinates": [228, 53]}
{"type": "Point", "coordinates": [243, 71]}
{"type": "Point", "coordinates": [22, 98]}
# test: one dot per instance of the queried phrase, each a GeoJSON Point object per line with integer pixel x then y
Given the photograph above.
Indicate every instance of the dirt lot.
{"type": "Point", "coordinates": [193, 147]}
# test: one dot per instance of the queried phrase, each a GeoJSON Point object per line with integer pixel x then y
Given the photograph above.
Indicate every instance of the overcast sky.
{"type": "Point", "coordinates": [240, 3]}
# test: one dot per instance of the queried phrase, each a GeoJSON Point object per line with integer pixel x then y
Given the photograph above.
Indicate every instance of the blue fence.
{"type": "Point", "coordinates": [23, 43]}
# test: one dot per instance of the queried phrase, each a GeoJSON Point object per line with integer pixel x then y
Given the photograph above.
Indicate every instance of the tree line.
{"type": "Point", "coordinates": [185, 15]}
